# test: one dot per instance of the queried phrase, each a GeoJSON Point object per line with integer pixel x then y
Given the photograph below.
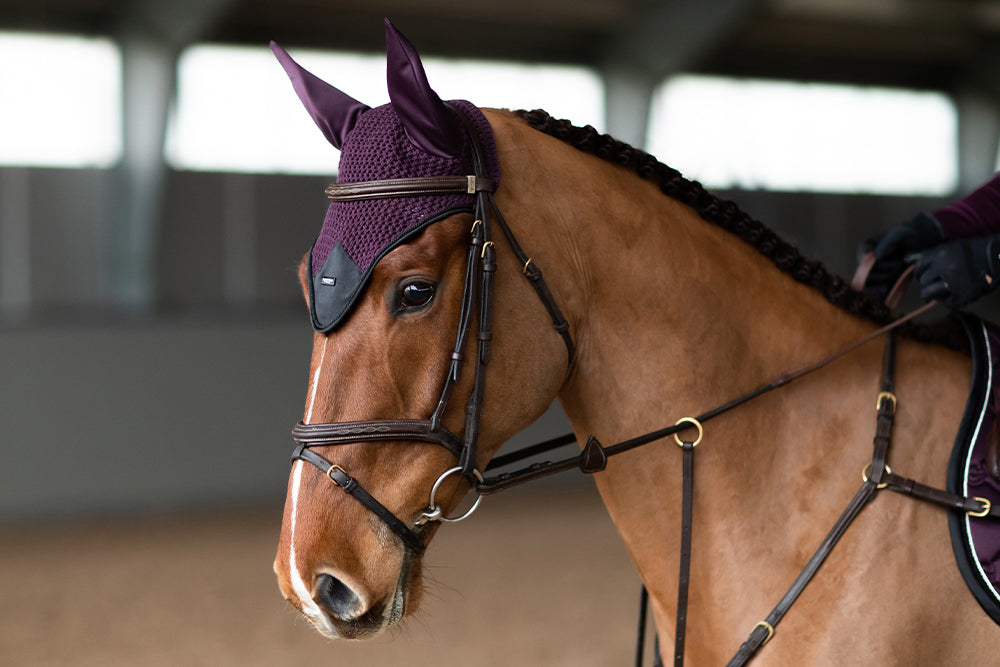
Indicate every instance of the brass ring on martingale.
{"type": "Point", "coordinates": [694, 422]}
{"type": "Point", "coordinates": [867, 470]}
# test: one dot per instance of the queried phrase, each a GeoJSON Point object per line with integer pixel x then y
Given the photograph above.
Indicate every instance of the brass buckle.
{"type": "Point", "coordinates": [770, 631]}
{"type": "Point", "coordinates": [885, 395]}
{"type": "Point", "coordinates": [329, 473]}
{"type": "Point", "coordinates": [987, 506]}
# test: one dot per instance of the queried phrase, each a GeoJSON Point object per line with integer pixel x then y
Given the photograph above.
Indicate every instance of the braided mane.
{"type": "Point", "coordinates": [711, 208]}
{"type": "Point", "coordinates": [728, 215]}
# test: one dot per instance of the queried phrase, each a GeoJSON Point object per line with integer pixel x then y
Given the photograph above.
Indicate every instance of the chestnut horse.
{"type": "Point", "coordinates": [676, 303]}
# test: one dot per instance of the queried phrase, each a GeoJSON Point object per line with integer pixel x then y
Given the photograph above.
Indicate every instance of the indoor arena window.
{"type": "Point", "coordinates": [772, 135]}
{"type": "Point", "coordinates": [60, 101]}
{"type": "Point", "coordinates": [236, 110]}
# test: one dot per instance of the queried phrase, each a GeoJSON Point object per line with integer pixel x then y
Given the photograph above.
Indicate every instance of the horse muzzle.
{"type": "Point", "coordinates": [341, 609]}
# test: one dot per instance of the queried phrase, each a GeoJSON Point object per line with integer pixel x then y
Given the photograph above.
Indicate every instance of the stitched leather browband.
{"type": "Point", "coordinates": [410, 187]}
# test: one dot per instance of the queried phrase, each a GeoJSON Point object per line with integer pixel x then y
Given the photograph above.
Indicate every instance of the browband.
{"type": "Point", "coordinates": [410, 187]}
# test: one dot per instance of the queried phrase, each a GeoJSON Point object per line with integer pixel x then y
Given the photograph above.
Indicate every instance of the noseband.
{"type": "Point", "coordinates": [479, 275]}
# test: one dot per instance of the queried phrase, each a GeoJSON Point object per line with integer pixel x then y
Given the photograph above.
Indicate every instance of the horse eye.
{"type": "Point", "coordinates": [416, 294]}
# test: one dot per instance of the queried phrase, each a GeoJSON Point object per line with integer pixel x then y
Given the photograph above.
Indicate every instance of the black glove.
{"type": "Point", "coordinates": [892, 248]}
{"type": "Point", "coordinates": [960, 271]}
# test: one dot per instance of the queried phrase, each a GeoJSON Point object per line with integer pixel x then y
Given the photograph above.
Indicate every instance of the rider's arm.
{"type": "Point", "coordinates": [975, 215]}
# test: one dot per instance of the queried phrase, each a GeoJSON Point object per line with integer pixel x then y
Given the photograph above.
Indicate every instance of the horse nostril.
{"type": "Point", "coordinates": [337, 598]}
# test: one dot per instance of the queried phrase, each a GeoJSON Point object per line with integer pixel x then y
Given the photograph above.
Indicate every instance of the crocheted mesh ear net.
{"type": "Point", "coordinates": [356, 234]}
{"type": "Point", "coordinates": [377, 148]}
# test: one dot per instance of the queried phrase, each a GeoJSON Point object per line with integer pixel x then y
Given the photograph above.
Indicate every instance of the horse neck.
{"type": "Point", "coordinates": [680, 315]}
{"type": "Point", "coordinates": [672, 315]}
{"type": "Point", "coordinates": [675, 316]}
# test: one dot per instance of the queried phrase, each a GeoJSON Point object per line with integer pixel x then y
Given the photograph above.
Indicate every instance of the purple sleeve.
{"type": "Point", "coordinates": [976, 215]}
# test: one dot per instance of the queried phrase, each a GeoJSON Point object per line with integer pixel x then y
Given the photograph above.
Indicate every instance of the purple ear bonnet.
{"type": "Point", "coordinates": [416, 135]}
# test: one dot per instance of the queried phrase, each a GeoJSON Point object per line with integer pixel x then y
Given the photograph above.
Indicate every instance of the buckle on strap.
{"type": "Point", "coordinates": [339, 476]}
{"type": "Point", "coordinates": [986, 505]}
{"type": "Point", "coordinates": [352, 487]}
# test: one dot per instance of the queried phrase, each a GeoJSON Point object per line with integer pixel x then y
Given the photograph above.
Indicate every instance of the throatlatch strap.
{"type": "Point", "coordinates": [534, 276]}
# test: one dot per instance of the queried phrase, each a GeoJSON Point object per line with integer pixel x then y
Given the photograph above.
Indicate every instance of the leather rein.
{"type": "Point", "coordinates": [480, 269]}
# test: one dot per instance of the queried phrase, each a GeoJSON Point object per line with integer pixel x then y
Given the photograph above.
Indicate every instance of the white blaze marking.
{"type": "Point", "coordinates": [309, 606]}
{"type": "Point", "coordinates": [315, 382]}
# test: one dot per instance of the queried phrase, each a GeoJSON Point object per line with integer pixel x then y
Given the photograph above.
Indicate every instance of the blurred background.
{"type": "Point", "coordinates": [159, 183]}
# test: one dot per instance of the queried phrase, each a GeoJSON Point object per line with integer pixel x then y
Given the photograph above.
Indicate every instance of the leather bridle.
{"type": "Point", "coordinates": [479, 275]}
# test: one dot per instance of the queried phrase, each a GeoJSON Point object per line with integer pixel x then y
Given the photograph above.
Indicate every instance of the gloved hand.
{"type": "Point", "coordinates": [892, 248]}
{"type": "Point", "coordinates": [960, 271]}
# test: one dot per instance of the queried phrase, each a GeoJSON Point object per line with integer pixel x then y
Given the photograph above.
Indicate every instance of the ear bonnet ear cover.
{"type": "Point", "coordinates": [356, 234]}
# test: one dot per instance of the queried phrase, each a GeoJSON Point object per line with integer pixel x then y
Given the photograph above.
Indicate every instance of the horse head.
{"type": "Point", "coordinates": [396, 344]}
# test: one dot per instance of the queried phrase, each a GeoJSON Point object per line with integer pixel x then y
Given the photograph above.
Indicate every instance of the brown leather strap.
{"type": "Point", "coordinates": [538, 470]}
{"type": "Point", "coordinates": [684, 579]}
{"type": "Point", "coordinates": [764, 630]}
{"type": "Point", "coordinates": [353, 488]}
{"type": "Point", "coordinates": [640, 646]}
{"type": "Point", "coordinates": [974, 506]}
{"type": "Point", "coordinates": [861, 273]}
{"type": "Point", "coordinates": [534, 276]}
{"type": "Point", "coordinates": [886, 407]}
{"type": "Point", "coordinates": [322, 435]}
{"type": "Point", "coordinates": [895, 294]}
{"type": "Point", "coordinates": [410, 187]}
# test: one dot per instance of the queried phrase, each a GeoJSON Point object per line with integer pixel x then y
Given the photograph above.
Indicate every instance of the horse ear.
{"type": "Point", "coordinates": [430, 125]}
{"type": "Point", "coordinates": [334, 112]}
